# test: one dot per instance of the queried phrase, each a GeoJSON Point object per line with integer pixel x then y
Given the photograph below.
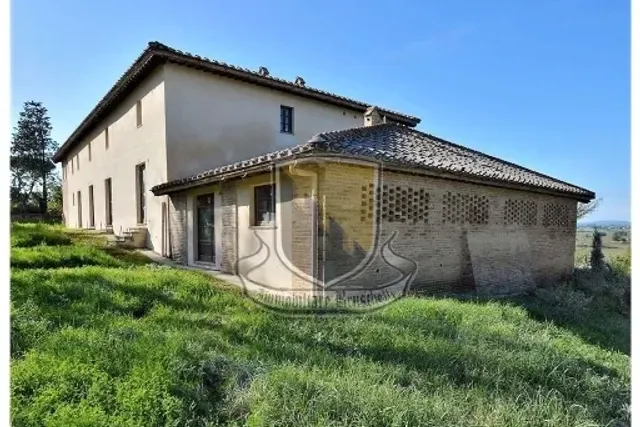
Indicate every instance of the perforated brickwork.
{"type": "Point", "coordinates": [520, 212]}
{"type": "Point", "coordinates": [555, 215]}
{"type": "Point", "coordinates": [404, 204]}
{"type": "Point", "coordinates": [460, 208]}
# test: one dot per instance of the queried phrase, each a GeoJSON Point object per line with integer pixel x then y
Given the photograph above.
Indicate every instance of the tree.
{"type": "Point", "coordinates": [32, 150]}
{"type": "Point", "coordinates": [585, 209]}
{"type": "Point", "coordinates": [619, 236]}
{"type": "Point", "coordinates": [597, 257]}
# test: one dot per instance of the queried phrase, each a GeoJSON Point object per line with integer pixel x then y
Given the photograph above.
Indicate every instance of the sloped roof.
{"type": "Point", "coordinates": [157, 53]}
{"type": "Point", "coordinates": [401, 146]}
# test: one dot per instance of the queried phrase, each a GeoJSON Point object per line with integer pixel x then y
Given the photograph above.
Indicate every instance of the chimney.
{"type": "Point", "coordinates": [300, 81]}
{"type": "Point", "coordinates": [373, 117]}
{"type": "Point", "coordinates": [263, 71]}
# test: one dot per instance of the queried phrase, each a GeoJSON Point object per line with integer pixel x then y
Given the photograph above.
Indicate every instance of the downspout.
{"type": "Point", "coordinates": [295, 170]}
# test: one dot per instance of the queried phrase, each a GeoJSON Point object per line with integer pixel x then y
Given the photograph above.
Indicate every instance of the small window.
{"type": "Point", "coordinates": [74, 198]}
{"type": "Point", "coordinates": [64, 170]}
{"type": "Point", "coordinates": [264, 206]}
{"type": "Point", "coordinates": [72, 167]}
{"type": "Point", "coordinates": [89, 151]}
{"type": "Point", "coordinates": [286, 119]}
{"type": "Point", "coordinates": [78, 161]}
{"type": "Point", "coordinates": [139, 113]}
{"type": "Point", "coordinates": [106, 139]}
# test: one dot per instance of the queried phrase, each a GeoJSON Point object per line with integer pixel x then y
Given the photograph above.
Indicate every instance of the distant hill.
{"type": "Point", "coordinates": [605, 224]}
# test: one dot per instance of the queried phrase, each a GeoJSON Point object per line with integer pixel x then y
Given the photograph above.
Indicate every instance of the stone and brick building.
{"type": "Point", "coordinates": [299, 190]}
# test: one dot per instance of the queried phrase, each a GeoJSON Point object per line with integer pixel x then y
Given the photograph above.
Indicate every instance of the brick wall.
{"type": "Point", "coordinates": [178, 227]}
{"type": "Point", "coordinates": [229, 228]}
{"type": "Point", "coordinates": [302, 206]}
{"type": "Point", "coordinates": [464, 237]}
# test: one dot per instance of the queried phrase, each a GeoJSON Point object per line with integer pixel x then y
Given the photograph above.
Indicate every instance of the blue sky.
{"type": "Point", "coordinates": [544, 84]}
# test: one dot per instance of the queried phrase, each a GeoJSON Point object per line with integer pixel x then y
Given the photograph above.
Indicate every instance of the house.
{"type": "Point", "coordinates": [299, 190]}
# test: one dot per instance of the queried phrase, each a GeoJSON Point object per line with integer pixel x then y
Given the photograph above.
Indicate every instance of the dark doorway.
{"type": "Point", "coordinates": [92, 217]}
{"type": "Point", "coordinates": [206, 232]}
{"type": "Point", "coordinates": [79, 210]}
{"type": "Point", "coordinates": [142, 202]}
{"type": "Point", "coordinates": [108, 202]}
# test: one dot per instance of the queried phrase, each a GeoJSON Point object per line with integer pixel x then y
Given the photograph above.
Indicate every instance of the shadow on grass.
{"type": "Point", "coordinates": [457, 355]}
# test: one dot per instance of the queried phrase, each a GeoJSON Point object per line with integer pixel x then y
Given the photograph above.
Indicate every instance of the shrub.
{"type": "Point", "coordinates": [597, 257]}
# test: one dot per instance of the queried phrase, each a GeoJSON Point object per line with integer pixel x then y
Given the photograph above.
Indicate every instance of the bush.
{"type": "Point", "coordinates": [597, 257]}
{"type": "Point", "coordinates": [621, 264]}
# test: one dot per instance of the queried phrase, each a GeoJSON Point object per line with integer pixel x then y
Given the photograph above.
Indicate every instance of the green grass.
{"type": "Point", "coordinates": [129, 344]}
{"type": "Point", "coordinates": [610, 248]}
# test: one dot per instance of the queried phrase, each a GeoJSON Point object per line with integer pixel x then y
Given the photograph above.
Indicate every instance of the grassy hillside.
{"type": "Point", "coordinates": [611, 248]}
{"type": "Point", "coordinates": [106, 338]}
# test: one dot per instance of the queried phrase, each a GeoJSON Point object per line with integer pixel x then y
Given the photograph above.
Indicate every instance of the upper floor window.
{"type": "Point", "coordinates": [89, 146]}
{"type": "Point", "coordinates": [72, 167]}
{"type": "Point", "coordinates": [106, 138]}
{"type": "Point", "coordinates": [78, 161]}
{"type": "Point", "coordinates": [264, 207]}
{"type": "Point", "coordinates": [286, 119]}
{"type": "Point", "coordinates": [64, 170]}
{"type": "Point", "coordinates": [139, 113]}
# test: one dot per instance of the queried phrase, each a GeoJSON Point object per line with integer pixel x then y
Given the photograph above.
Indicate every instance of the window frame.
{"type": "Point", "coordinates": [106, 138]}
{"type": "Point", "coordinates": [139, 113]}
{"type": "Point", "coordinates": [256, 211]}
{"type": "Point", "coordinates": [283, 119]}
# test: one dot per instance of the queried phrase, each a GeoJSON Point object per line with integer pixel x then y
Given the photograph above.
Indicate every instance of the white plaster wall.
{"type": "Point", "coordinates": [272, 272]}
{"type": "Point", "coordinates": [213, 120]}
{"type": "Point", "coordinates": [129, 145]}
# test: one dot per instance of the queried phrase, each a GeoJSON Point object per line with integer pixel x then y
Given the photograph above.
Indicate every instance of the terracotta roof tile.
{"type": "Point", "coordinates": [397, 145]}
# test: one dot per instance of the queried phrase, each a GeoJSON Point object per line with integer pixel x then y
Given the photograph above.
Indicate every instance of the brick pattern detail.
{"type": "Point", "coordinates": [520, 212]}
{"type": "Point", "coordinates": [301, 228]}
{"type": "Point", "coordinates": [178, 227]}
{"type": "Point", "coordinates": [556, 215]}
{"type": "Point", "coordinates": [229, 228]}
{"type": "Point", "coordinates": [404, 204]}
{"type": "Point", "coordinates": [341, 227]}
{"type": "Point", "coordinates": [368, 208]}
{"type": "Point", "coordinates": [465, 208]}
{"type": "Point", "coordinates": [472, 249]}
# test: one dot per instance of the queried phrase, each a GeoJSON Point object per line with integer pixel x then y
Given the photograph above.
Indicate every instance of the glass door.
{"type": "Point", "coordinates": [206, 232]}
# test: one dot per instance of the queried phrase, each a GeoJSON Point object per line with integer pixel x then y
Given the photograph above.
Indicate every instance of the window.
{"type": "Point", "coordinates": [64, 170]}
{"type": "Point", "coordinates": [78, 161]}
{"type": "Point", "coordinates": [264, 206]}
{"type": "Point", "coordinates": [74, 198]}
{"type": "Point", "coordinates": [286, 119]}
{"type": "Point", "coordinates": [72, 168]}
{"type": "Point", "coordinates": [89, 151]}
{"type": "Point", "coordinates": [142, 207]}
{"type": "Point", "coordinates": [139, 113]}
{"type": "Point", "coordinates": [106, 139]}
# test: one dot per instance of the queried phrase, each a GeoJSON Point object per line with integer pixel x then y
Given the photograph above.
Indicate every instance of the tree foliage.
{"type": "Point", "coordinates": [585, 209]}
{"type": "Point", "coordinates": [597, 256]}
{"type": "Point", "coordinates": [32, 168]}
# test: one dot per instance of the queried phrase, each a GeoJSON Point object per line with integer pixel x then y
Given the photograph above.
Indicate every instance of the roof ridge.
{"type": "Point", "coordinates": [493, 158]}
{"type": "Point", "coordinates": [165, 47]}
{"type": "Point", "coordinates": [156, 49]}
